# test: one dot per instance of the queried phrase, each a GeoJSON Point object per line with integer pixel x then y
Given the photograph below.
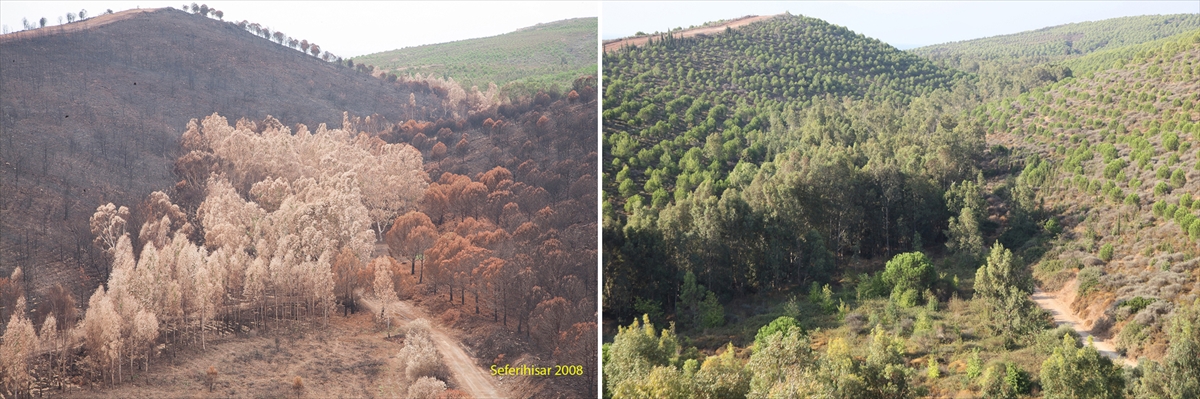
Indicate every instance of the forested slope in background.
{"type": "Point", "coordinates": [1009, 65]}
{"type": "Point", "coordinates": [538, 57]}
{"type": "Point", "coordinates": [1059, 43]}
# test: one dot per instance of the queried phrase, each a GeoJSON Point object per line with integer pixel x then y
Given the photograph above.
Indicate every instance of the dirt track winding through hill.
{"type": "Point", "coordinates": [707, 30]}
{"type": "Point", "coordinates": [1053, 303]}
{"type": "Point", "coordinates": [469, 377]}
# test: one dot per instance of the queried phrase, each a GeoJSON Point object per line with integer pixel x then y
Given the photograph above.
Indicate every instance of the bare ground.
{"type": "Point", "coordinates": [350, 358]}
{"type": "Point", "coordinates": [1056, 304]}
{"type": "Point", "coordinates": [705, 30]}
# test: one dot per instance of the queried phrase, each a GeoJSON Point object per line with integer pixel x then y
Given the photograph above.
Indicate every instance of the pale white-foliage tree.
{"type": "Point", "coordinates": [145, 281]}
{"type": "Point", "coordinates": [316, 280]}
{"type": "Point", "coordinates": [254, 285]}
{"type": "Point", "coordinates": [419, 357]}
{"type": "Point", "coordinates": [48, 337]}
{"type": "Point", "coordinates": [229, 221]}
{"type": "Point", "coordinates": [102, 332]}
{"type": "Point", "coordinates": [385, 289]}
{"type": "Point", "coordinates": [389, 176]}
{"type": "Point", "coordinates": [20, 344]}
{"type": "Point", "coordinates": [145, 332]}
{"type": "Point", "coordinates": [163, 218]}
{"type": "Point", "coordinates": [277, 207]}
{"type": "Point", "coordinates": [426, 388]}
{"type": "Point", "coordinates": [122, 291]}
{"type": "Point", "coordinates": [209, 291]}
{"type": "Point", "coordinates": [108, 224]}
{"type": "Point", "coordinates": [392, 183]}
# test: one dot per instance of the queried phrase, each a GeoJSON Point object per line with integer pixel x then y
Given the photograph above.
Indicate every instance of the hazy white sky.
{"type": "Point", "coordinates": [345, 28]}
{"type": "Point", "coordinates": [902, 24]}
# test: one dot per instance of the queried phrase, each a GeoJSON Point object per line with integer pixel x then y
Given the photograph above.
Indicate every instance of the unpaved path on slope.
{"type": "Point", "coordinates": [706, 30]}
{"type": "Point", "coordinates": [1053, 303]}
{"type": "Point", "coordinates": [469, 377]}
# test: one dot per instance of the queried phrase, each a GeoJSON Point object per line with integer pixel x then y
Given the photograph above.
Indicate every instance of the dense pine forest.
{"type": "Point", "coordinates": [791, 209]}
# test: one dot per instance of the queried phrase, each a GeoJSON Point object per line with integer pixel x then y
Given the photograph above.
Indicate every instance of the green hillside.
{"type": "Point", "coordinates": [767, 238]}
{"type": "Point", "coordinates": [1114, 159]}
{"type": "Point", "coordinates": [542, 56]}
{"type": "Point", "coordinates": [679, 112]}
{"type": "Point", "coordinates": [1059, 43]}
{"type": "Point", "coordinates": [1117, 57]}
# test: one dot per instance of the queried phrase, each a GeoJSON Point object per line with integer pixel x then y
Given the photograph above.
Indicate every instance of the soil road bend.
{"type": "Point", "coordinates": [1053, 303]}
{"type": "Point", "coordinates": [469, 377]}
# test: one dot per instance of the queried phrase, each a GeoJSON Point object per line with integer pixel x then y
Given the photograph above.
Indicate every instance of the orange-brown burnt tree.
{"type": "Point", "coordinates": [410, 236]}
{"type": "Point", "coordinates": [464, 264]}
{"type": "Point", "coordinates": [445, 260]}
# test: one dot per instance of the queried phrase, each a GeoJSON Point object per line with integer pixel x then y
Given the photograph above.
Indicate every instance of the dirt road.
{"type": "Point", "coordinates": [469, 377]}
{"type": "Point", "coordinates": [706, 30]}
{"type": "Point", "coordinates": [1053, 303]}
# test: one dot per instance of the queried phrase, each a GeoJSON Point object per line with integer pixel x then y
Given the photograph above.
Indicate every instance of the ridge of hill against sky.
{"type": "Point", "coordinates": [904, 25]}
{"type": "Point", "coordinates": [347, 28]}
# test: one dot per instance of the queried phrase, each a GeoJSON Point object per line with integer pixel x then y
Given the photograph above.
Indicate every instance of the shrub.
{"type": "Point", "coordinates": [649, 307]}
{"type": "Point", "coordinates": [1131, 337]}
{"type": "Point", "coordinates": [419, 356]}
{"type": "Point", "coordinates": [822, 297]}
{"type": "Point", "coordinates": [1178, 179]}
{"type": "Point", "coordinates": [1163, 172]}
{"type": "Point", "coordinates": [1004, 380]}
{"type": "Point", "coordinates": [1114, 167]}
{"type": "Point", "coordinates": [780, 325]}
{"type": "Point", "coordinates": [974, 366]}
{"type": "Point", "coordinates": [1161, 188]}
{"type": "Point", "coordinates": [1158, 208]}
{"type": "Point", "coordinates": [722, 376]}
{"type": "Point", "coordinates": [1136, 304]}
{"type": "Point", "coordinates": [712, 314]}
{"type": "Point", "coordinates": [1171, 141]}
{"type": "Point", "coordinates": [1133, 199]}
{"type": "Point", "coordinates": [1053, 227]}
{"type": "Point", "coordinates": [871, 287]}
{"type": "Point", "coordinates": [904, 297]}
{"type": "Point", "coordinates": [636, 350]}
{"type": "Point", "coordinates": [1088, 279]}
{"type": "Point", "coordinates": [908, 274]}
{"type": "Point", "coordinates": [1106, 252]}
{"type": "Point", "coordinates": [1049, 340]}
{"type": "Point", "coordinates": [210, 378]}
{"type": "Point", "coordinates": [426, 388]}
{"type": "Point", "coordinates": [1184, 218]}
{"type": "Point", "coordinates": [1169, 211]}
{"type": "Point", "coordinates": [1080, 372]}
